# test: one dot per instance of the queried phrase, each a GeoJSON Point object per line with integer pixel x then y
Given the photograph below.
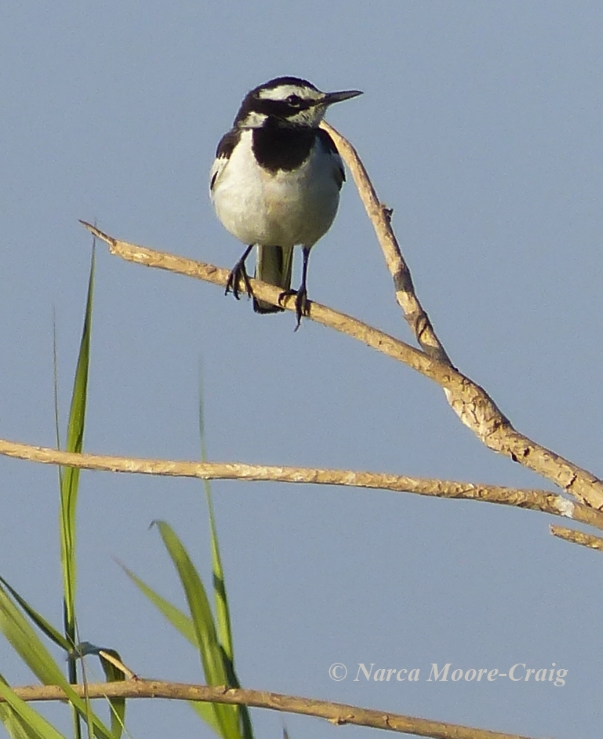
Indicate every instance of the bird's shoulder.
{"type": "Point", "coordinates": [224, 151]}
{"type": "Point", "coordinates": [328, 143]}
{"type": "Point", "coordinates": [227, 143]}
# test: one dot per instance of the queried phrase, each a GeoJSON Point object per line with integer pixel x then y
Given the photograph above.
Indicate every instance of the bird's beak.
{"type": "Point", "coordinates": [337, 97]}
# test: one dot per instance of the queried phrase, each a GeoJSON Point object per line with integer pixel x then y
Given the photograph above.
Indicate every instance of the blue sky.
{"type": "Point", "coordinates": [481, 127]}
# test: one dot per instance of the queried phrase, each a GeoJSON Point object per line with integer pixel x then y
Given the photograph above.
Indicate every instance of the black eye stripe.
{"type": "Point", "coordinates": [281, 108]}
{"type": "Point", "coordinates": [287, 110]}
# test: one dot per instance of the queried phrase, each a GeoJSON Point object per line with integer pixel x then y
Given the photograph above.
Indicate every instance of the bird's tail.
{"type": "Point", "coordinates": [273, 265]}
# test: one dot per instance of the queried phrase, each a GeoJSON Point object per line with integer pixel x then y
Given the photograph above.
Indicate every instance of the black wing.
{"type": "Point", "coordinates": [225, 148]}
{"type": "Point", "coordinates": [329, 145]}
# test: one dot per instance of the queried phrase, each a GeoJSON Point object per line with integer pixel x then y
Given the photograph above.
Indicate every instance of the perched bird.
{"type": "Point", "coordinates": [275, 182]}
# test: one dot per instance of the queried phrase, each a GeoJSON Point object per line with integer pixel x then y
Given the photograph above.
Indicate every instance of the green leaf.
{"type": "Point", "coordinates": [31, 650]}
{"type": "Point", "coordinates": [212, 655]}
{"type": "Point", "coordinates": [117, 705]}
{"type": "Point", "coordinates": [45, 626]}
{"type": "Point", "coordinates": [178, 619]}
{"type": "Point", "coordinates": [70, 475]}
{"type": "Point", "coordinates": [184, 625]}
{"type": "Point", "coordinates": [115, 671]}
{"type": "Point", "coordinates": [26, 642]}
{"type": "Point", "coordinates": [21, 721]}
{"type": "Point", "coordinates": [220, 599]}
{"type": "Point", "coordinates": [223, 622]}
{"type": "Point", "coordinates": [69, 484]}
{"type": "Point", "coordinates": [223, 615]}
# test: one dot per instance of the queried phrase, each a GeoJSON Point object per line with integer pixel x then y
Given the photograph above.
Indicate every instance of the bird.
{"type": "Point", "coordinates": [275, 183]}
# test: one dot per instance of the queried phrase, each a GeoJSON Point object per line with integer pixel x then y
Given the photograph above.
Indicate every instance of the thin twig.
{"type": "Point", "coordinates": [578, 537]}
{"type": "Point", "coordinates": [336, 713]}
{"type": "Point", "coordinates": [471, 402]}
{"type": "Point", "coordinates": [380, 216]}
{"type": "Point", "coordinates": [536, 500]}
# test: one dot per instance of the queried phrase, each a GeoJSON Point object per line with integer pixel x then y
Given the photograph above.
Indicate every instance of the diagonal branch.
{"type": "Point", "coordinates": [536, 500]}
{"type": "Point", "coordinates": [336, 713]}
{"type": "Point", "coordinates": [471, 402]}
{"type": "Point", "coordinates": [380, 217]}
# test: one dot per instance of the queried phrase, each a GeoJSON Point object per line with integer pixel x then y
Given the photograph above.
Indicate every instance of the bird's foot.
{"type": "Point", "coordinates": [238, 273]}
{"type": "Point", "coordinates": [301, 303]}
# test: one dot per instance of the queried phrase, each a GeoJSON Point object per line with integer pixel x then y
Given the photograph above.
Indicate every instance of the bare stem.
{"type": "Point", "coordinates": [536, 500]}
{"type": "Point", "coordinates": [336, 713]}
{"type": "Point", "coordinates": [578, 537]}
{"type": "Point", "coordinates": [380, 216]}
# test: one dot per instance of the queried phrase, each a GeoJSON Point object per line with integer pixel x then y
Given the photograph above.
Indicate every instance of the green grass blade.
{"type": "Point", "coordinates": [21, 721]}
{"type": "Point", "coordinates": [221, 601]}
{"type": "Point", "coordinates": [26, 642]}
{"type": "Point", "coordinates": [206, 712]}
{"type": "Point", "coordinates": [37, 618]}
{"type": "Point", "coordinates": [113, 674]}
{"type": "Point", "coordinates": [31, 650]}
{"type": "Point", "coordinates": [184, 625]}
{"type": "Point", "coordinates": [211, 652]}
{"type": "Point", "coordinates": [118, 705]}
{"type": "Point", "coordinates": [70, 476]}
{"type": "Point", "coordinates": [223, 621]}
{"type": "Point", "coordinates": [223, 614]}
{"type": "Point", "coordinates": [172, 613]}
{"type": "Point", "coordinates": [55, 378]}
{"type": "Point", "coordinates": [115, 671]}
{"type": "Point", "coordinates": [15, 727]}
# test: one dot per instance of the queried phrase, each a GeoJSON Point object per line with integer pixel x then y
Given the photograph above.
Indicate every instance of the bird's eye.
{"type": "Point", "coordinates": [294, 100]}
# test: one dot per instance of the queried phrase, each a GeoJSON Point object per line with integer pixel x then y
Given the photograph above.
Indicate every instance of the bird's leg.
{"type": "Point", "coordinates": [301, 295]}
{"type": "Point", "coordinates": [237, 273]}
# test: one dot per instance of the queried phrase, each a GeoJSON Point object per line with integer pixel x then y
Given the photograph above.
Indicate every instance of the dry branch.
{"type": "Point", "coordinates": [473, 412]}
{"type": "Point", "coordinates": [578, 537]}
{"type": "Point", "coordinates": [380, 216]}
{"type": "Point", "coordinates": [471, 402]}
{"type": "Point", "coordinates": [536, 500]}
{"type": "Point", "coordinates": [336, 713]}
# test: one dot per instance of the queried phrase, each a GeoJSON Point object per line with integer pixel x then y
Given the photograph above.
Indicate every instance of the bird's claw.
{"type": "Point", "coordinates": [301, 303]}
{"type": "Point", "coordinates": [237, 273]}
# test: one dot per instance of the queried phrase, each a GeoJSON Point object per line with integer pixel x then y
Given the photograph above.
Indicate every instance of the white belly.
{"type": "Point", "coordinates": [276, 208]}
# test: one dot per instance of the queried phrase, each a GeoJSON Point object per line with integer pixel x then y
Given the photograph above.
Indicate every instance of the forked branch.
{"type": "Point", "coordinates": [474, 406]}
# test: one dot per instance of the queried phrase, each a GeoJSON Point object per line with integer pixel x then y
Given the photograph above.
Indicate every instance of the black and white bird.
{"type": "Point", "coordinates": [275, 182]}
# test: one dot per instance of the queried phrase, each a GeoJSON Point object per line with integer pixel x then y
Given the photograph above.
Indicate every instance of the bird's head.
{"type": "Point", "coordinates": [287, 102]}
